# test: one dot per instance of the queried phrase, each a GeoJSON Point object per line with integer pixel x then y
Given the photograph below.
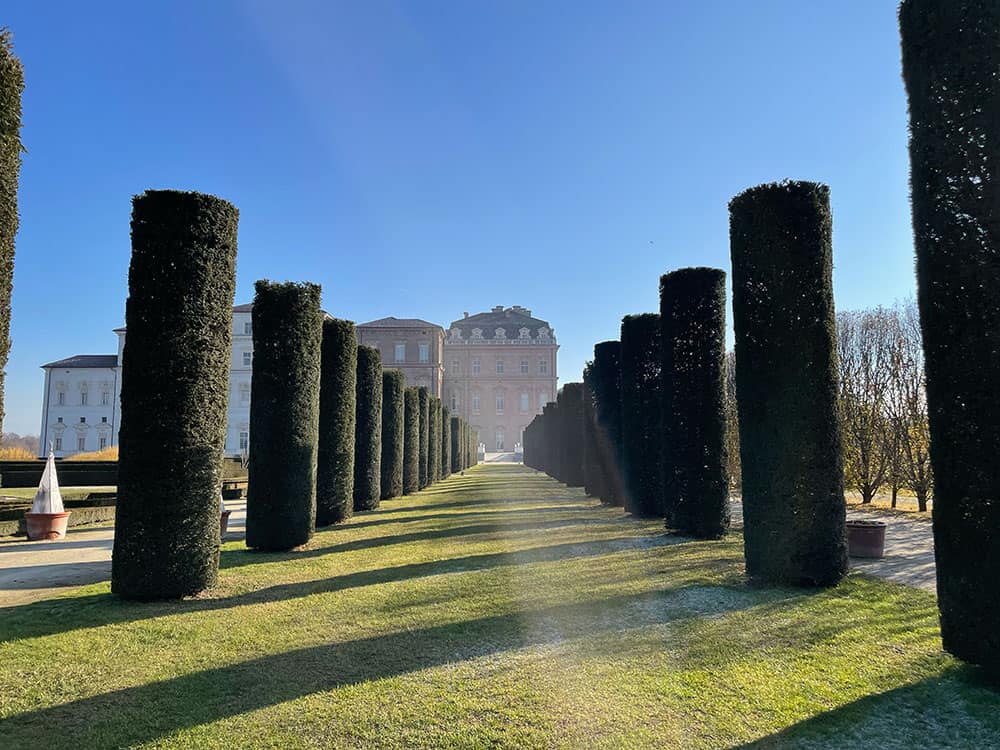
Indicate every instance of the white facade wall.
{"type": "Point", "coordinates": [96, 417]}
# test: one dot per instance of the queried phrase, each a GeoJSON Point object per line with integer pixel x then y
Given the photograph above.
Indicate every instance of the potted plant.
{"type": "Point", "coordinates": [47, 518]}
{"type": "Point", "coordinates": [865, 538]}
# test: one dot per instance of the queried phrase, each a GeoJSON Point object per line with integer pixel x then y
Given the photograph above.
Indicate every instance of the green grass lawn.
{"type": "Point", "coordinates": [498, 609]}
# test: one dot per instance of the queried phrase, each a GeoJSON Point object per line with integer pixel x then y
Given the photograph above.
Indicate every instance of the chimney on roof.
{"type": "Point", "coordinates": [465, 315]}
{"type": "Point", "coordinates": [521, 310]}
{"type": "Point", "coordinates": [498, 309]}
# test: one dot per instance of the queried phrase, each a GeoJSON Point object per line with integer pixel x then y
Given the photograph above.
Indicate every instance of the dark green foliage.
{"type": "Point", "coordinates": [411, 440]}
{"type": "Point", "coordinates": [284, 415]}
{"type": "Point", "coordinates": [692, 343]}
{"type": "Point", "coordinates": [425, 434]}
{"type": "Point", "coordinates": [456, 444]}
{"type": "Point", "coordinates": [337, 422]}
{"type": "Point", "coordinates": [11, 87]}
{"type": "Point", "coordinates": [641, 409]}
{"type": "Point", "coordinates": [445, 442]}
{"type": "Point", "coordinates": [571, 433]}
{"type": "Point", "coordinates": [175, 386]}
{"type": "Point", "coordinates": [786, 384]}
{"type": "Point", "coordinates": [593, 466]}
{"type": "Point", "coordinates": [606, 379]}
{"type": "Point", "coordinates": [393, 418]}
{"type": "Point", "coordinates": [554, 452]}
{"type": "Point", "coordinates": [434, 440]}
{"type": "Point", "coordinates": [951, 54]}
{"type": "Point", "coordinates": [368, 443]}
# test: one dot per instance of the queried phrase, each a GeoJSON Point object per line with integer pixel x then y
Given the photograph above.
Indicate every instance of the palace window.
{"type": "Point", "coordinates": [247, 328]}
{"type": "Point", "coordinates": [244, 441]}
{"type": "Point", "coordinates": [247, 359]}
{"type": "Point", "coordinates": [58, 442]}
{"type": "Point", "coordinates": [499, 367]}
{"type": "Point", "coordinates": [244, 393]}
{"type": "Point", "coordinates": [59, 420]}
{"type": "Point", "coordinates": [454, 401]}
{"type": "Point", "coordinates": [83, 420]}
{"type": "Point", "coordinates": [454, 366]}
{"type": "Point", "coordinates": [102, 443]}
{"type": "Point", "coordinates": [399, 353]}
{"type": "Point", "coordinates": [543, 366]}
{"type": "Point", "coordinates": [61, 398]}
{"type": "Point", "coordinates": [524, 367]}
{"type": "Point", "coordinates": [104, 420]}
{"type": "Point", "coordinates": [475, 365]}
{"type": "Point", "coordinates": [83, 398]}
{"type": "Point", "coordinates": [105, 398]}
{"type": "Point", "coordinates": [525, 402]}
{"type": "Point", "coordinates": [425, 352]}
{"type": "Point", "coordinates": [499, 437]}
{"type": "Point", "coordinates": [499, 402]}
{"type": "Point", "coordinates": [475, 403]}
{"type": "Point", "coordinates": [81, 443]}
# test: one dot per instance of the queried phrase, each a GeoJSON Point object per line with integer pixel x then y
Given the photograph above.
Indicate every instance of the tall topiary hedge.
{"type": "Point", "coordinates": [284, 415]}
{"type": "Point", "coordinates": [434, 440]}
{"type": "Point", "coordinates": [593, 464]}
{"type": "Point", "coordinates": [786, 384]}
{"type": "Point", "coordinates": [411, 440]}
{"type": "Point", "coordinates": [554, 454]}
{"type": "Point", "coordinates": [456, 444]}
{"type": "Point", "coordinates": [174, 399]}
{"type": "Point", "coordinates": [393, 418]}
{"type": "Point", "coordinates": [571, 433]}
{"type": "Point", "coordinates": [337, 422]}
{"type": "Point", "coordinates": [368, 443]}
{"type": "Point", "coordinates": [950, 62]}
{"type": "Point", "coordinates": [606, 377]}
{"type": "Point", "coordinates": [693, 347]}
{"type": "Point", "coordinates": [641, 407]}
{"type": "Point", "coordinates": [11, 87]}
{"type": "Point", "coordinates": [445, 442]}
{"type": "Point", "coordinates": [425, 433]}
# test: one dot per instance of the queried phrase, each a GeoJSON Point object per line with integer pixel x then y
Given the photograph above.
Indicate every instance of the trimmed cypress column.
{"type": "Point", "coordinates": [950, 62]}
{"type": "Point", "coordinates": [641, 405]}
{"type": "Point", "coordinates": [693, 339]}
{"type": "Point", "coordinates": [445, 442]}
{"type": "Point", "coordinates": [368, 443]}
{"type": "Point", "coordinates": [425, 432]}
{"type": "Point", "coordinates": [593, 466]}
{"type": "Point", "coordinates": [337, 422]}
{"type": "Point", "coordinates": [284, 415]}
{"type": "Point", "coordinates": [393, 418]}
{"type": "Point", "coordinates": [786, 384]}
{"type": "Point", "coordinates": [434, 440]}
{"type": "Point", "coordinates": [175, 394]}
{"type": "Point", "coordinates": [606, 375]}
{"type": "Point", "coordinates": [456, 444]}
{"type": "Point", "coordinates": [571, 412]}
{"type": "Point", "coordinates": [11, 87]}
{"type": "Point", "coordinates": [411, 440]}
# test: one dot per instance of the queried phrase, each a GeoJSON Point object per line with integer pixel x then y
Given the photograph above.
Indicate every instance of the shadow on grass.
{"type": "Point", "coordinates": [143, 714]}
{"type": "Point", "coordinates": [53, 616]}
{"type": "Point", "coordinates": [957, 709]}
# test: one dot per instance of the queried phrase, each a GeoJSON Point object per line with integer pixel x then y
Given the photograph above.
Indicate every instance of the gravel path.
{"type": "Point", "coordinates": [909, 548]}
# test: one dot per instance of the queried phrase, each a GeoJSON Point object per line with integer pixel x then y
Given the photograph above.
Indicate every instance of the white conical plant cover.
{"type": "Point", "coordinates": [48, 499]}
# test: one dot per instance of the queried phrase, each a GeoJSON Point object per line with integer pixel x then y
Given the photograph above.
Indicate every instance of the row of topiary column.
{"type": "Point", "coordinates": [330, 431]}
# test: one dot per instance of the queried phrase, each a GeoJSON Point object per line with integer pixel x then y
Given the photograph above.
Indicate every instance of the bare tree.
{"type": "Point", "coordinates": [908, 404]}
{"type": "Point", "coordinates": [865, 346]}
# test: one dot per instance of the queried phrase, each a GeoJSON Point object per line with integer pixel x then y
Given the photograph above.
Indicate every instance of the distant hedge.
{"type": "Point", "coordinates": [641, 405]}
{"type": "Point", "coordinates": [393, 418]}
{"type": "Point", "coordinates": [554, 451]}
{"type": "Point", "coordinates": [950, 62]}
{"type": "Point", "coordinates": [606, 378]}
{"type": "Point", "coordinates": [434, 440]}
{"type": "Point", "coordinates": [786, 376]}
{"type": "Point", "coordinates": [337, 422]}
{"type": "Point", "coordinates": [11, 87]}
{"type": "Point", "coordinates": [368, 443]}
{"type": "Point", "coordinates": [456, 444]}
{"type": "Point", "coordinates": [179, 313]}
{"type": "Point", "coordinates": [425, 432]}
{"type": "Point", "coordinates": [411, 440]}
{"type": "Point", "coordinates": [284, 415]}
{"type": "Point", "coordinates": [693, 347]}
{"type": "Point", "coordinates": [571, 433]}
{"type": "Point", "coordinates": [445, 442]}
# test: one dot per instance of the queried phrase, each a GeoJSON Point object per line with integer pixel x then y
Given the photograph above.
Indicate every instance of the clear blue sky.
{"type": "Point", "coordinates": [425, 158]}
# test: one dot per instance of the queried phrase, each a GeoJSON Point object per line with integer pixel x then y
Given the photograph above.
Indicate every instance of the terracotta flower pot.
{"type": "Point", "coordinates": [866, 538]}
{"type": "Point", "coordinates": [46, 525]}
{"type": "Point", "coordinates": [223, 523]}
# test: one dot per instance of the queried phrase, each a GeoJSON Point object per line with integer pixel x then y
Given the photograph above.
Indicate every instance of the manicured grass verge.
{"type": "Point", "coordinates": [494, 609]}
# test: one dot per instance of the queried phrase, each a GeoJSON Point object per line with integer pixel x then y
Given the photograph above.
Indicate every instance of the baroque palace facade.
{"type": "Point", "coordinates": [497, 369]}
